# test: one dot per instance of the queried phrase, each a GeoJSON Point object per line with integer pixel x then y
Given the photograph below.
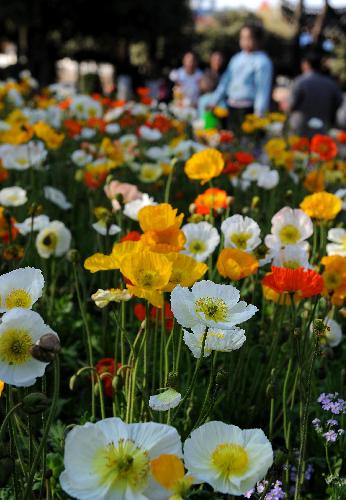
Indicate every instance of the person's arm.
{"type": "Point", "coordinates": [263, 85]}
{"type": "Point", "coordinates": [296, 96]}
{"type": "Point", "coordinates": [221, 90]}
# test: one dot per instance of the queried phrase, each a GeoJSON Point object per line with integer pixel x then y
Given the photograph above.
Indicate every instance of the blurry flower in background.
{"type": "Point", "coordinates": [132, 208]}
{"type": "Point", "coordinates": [212, 201]}
{"type": "Point", "coordinates": [337, 236]}
{"type": "Point", "coordinates": [165, 401]}
{"type": "Point", "coordinates": [205, 165]}
{"type": "Point", "coordinates": [323, 205]}
{"type": "Point", "coordinates": [53, 240]}
{"type": "Point", "coordinates": [103, 297]}
{"type": "Point", "coordinates": [13, 196]}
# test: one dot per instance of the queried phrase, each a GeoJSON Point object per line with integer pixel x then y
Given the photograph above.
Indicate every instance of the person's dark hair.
{"type": "Point", "coordinates": [256, 30]}
{"type": "Point", "coordinates": [313, 58]}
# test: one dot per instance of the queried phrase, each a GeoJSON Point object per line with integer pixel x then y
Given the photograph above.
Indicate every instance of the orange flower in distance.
{"type": "Point", "coordinates": [236, 264]}
{"type": "Point", "coordinates": [161, 227]}
{"type": "Point", "coordinates": [205, 165]}
{"type": "Point", "coordinates": [304, 282]}
{"type": "Point", "coordinates": [2, 385]}
{"type": "Point", "coordinates": [73, 127]}
{"type": "Point", "coordinates": [334, 276]}
{"type": "Point", "coordinates": [278, 298]}
{"type": "Point", "coordinates": [314, 181]}
{"type": "Point", "coordinates": [8, 231]}
{"type": "Point", "coordinates": [323, 205]}
{"type": "Point", "coordinates": [324, 146]}
{"type": "Point", "coordinates": [213, 199]}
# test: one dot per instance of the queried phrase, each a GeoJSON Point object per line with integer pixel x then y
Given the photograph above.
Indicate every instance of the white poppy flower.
{"type": "Point", "coordinates": [160, 154]}
{"type": "Point", "coordinates": [24, 156]}
{"type": "Point", "coordinates": [81, 157]}
{"type": "Point", "coordinates": [20, 330]}
{"type": "Point", "coordinates": [216, 340]}
{"type": "Point", "coordinates": [101, 228]}
{"type": "Point", "coordinates": [291, 256]}
{"type": "Point", "coordinates": [268, 180]}
{"type": "Point", "coordinates": [289, 227]}
{"type": "Point", "coordinates": [111, 460]}
{"type": "Point", "coordinates": [211, 305]}
{"type": "Point", "coordinates": [57, 197]}
{"type": "Point", "coordinates": [83, 107]}
{"type": "Point", "coordinates": [201, 240]}
{"type": "Point", "coordinates": [32, 224]}
{"type": "Point", "coordinates": [149, 134]}
{"type": "Point", "coordinates": [338, 237]}
{"type": "Point", "coordinates": [13, 196]}
{"type": "Point", "coordinates": [20, 288]}
{"type": "Point", "coordinates": [150, 172]}
{"type": "Point", "coordinates": [112, 128]}
{"type": "Point", "coordinates": [185, 149]}
{"type": "Point", "coordinates": [241, 232]}
{"type": "Point", "coordinates": [253, 171]}
{"type": "Point", "coordinates": [87, 133]}
{"type": "Point", "coordinates": [228, 458]}
{"type": "Point", "coordinates": [132, 208]}
{"type": "Point", "coordinates": [54, 239]}
{"type": "Point", "coordinates": [165, 400]}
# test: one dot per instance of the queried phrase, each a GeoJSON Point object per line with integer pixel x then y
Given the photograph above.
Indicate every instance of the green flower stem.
{"type": "Point", "coordinates": [169, 181]}
{"type": "Point", "coordinates": [202, 414]}
{"type": "Point", "coordinates": [88, 334]}
{"type": "Point", "coordinates": [51, 415]}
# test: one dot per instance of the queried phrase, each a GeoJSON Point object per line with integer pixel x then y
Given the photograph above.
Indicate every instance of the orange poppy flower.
{"type": "Point", "coordinates": [323, 146]}
{"type": "Point", "coordinates": [341, 137]}
{"type": "Point", "coordinates": [334, 276]}
{"type": "Point", "coordinates": [8, 231]}
{"type": "Point", "coordinates": [305, 282]}
{"type": "Point", "coordinates": [314, 181]}
{"type": "Point", "coordinates": [73, 127]}
{"type": "Point", "coordinates": [211, 200]}
{"type": "Point", "coordinates": [95, 178]}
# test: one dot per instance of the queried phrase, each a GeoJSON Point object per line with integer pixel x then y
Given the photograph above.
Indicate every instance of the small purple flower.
{"type": "Point", "coordinates": [249, 493]}
{"type": "Point", "coordinates": [331, 402]}
{"type": "Point", "coordinates": [308, 472]}
{"type": "Point", "coordinates": [332, 422]}
{"type": "Point", "coordinates": [276, 493]}
{"type": "Point", "coordinates": [330, 436]}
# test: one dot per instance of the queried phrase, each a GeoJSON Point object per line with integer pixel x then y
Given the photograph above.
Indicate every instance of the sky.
{"type": "Point", "coordinates": [254, 4]}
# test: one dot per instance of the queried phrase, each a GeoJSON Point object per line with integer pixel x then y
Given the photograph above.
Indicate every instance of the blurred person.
{"type": "Point", "coordinates": [210, 80]}
{"type": "Point", "coordinates": [187, 79]}
{"type": "Point", "coordinates": [246, 84]}
{"type": "Point", "coordinates": [314, 99]}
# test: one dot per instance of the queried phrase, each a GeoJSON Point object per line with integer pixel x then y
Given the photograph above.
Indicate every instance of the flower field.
{"type": "Point", "coordinates": [172, 303]}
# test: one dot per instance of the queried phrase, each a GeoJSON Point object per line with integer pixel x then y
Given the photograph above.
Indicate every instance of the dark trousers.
{"type": "Point", "coordinates": [236, 117]}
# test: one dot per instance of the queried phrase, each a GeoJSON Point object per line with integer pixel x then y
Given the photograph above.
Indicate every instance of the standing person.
{"type": "Point", "coordinates": [210, 80]}
{"type": "Point", "coordinates": [187, 79]}
{"type": "Point", "coordinates": [313, 96]}
{"type": "Point", "coordinates": [246, 84]}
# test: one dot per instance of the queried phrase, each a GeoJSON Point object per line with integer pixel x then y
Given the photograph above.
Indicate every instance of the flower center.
{"type": "Point", "coordinates": [291, 264]}
{"type": "Point", "coordinates": [122, 465]}
{"type": "Point", "coordinates": [50, 241]}
{"type": "Point", "coordinates": [146, 278]}
{"type": "Point", "coordinates": [15, 347]}
{"type": "Point", "coordinates": [197, 246]}
{"type": "Point", "coordinates": [212, 308]}
{"type": "Point", "coordinates": [230, 459]}
{"type": "Point", "coordinates": [332, 279]}
{"type": "Point", "coordinates": [289, 234]}
{"type": "Point", "coordinates": [240, 240]}
{"type": "Point", "coordinates": [18, 298]}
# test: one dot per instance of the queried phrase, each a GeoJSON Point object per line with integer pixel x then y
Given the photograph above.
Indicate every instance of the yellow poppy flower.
{"type": "Point", "coordinates": [160, 225]}
{"type": "Point", "coordinates": [169, 472]}
{"type": "Point", "coordinates": [185, 271]}
{"type": "Point", "coordinates": [236, 264]}
{"type": "Point", "coordinates": [149, 274]}
{"type": "Point", "coordinates": [275, 147]}
{"type": "Point", "coordinates": [323, 205]}
{"type": "Point", "coordinates": [103, 262]}
{"type": "Point", "coordinates": [52, 139]}
{"type": "Point", "coordinates": [205, 165]}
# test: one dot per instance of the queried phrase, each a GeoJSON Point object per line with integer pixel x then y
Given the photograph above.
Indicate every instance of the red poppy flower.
{"type": "Point", "coordinates": [106, 365]}
{"type": "Point", "coordinates": [305, 282]}
{"type": "Point", "coordinates": [243, 157]}
{"type": "Point", "coordinates": [73, 127]}
{"type": "Point", "coordinates": [139, 311]}
{"type": "Point", "coordinates": [95, 179]}
{"type": "Point", "coordinates": [324, 147]}
{"type": "Point", "coordinates": [341, 137]}
{"type": "Point", "coordinates": [301, 144]}
{"type": "Point", "coordinates": [226, 136]}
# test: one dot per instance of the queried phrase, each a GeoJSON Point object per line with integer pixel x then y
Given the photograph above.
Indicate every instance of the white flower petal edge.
{"type": "Point", "coordinates": [231, 460]}
{"type": "Point", "coordinates": [20, 288]}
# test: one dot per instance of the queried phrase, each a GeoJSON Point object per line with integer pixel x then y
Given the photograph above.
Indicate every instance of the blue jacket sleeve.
{"type": "Point", "coordinates": [263, 83]}
{"type": "Point", "coordinates": [220, 92]}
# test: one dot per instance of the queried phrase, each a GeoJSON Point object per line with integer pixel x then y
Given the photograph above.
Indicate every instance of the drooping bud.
{"type": "Point", "coordinates": [46, 348]}
{"type": "Point", "coordinates": [35, 403]}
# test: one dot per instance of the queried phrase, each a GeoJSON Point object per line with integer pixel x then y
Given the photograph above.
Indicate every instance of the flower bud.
{"type": "Point", "coordinates": [46, 348]}
{"type": "Point", "coordinates": [73, 256]}
{"type": "Point", "coordinates": [172, 379]}
{"type": "Point", "coordinates": [221, 377]}
{"type": "Point", "coordinates": [35, 403]}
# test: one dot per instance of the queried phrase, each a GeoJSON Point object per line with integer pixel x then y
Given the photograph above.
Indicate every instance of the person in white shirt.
{"type": "Point", "coordinates": [187, 79]}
